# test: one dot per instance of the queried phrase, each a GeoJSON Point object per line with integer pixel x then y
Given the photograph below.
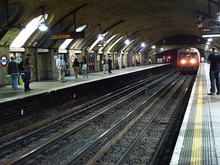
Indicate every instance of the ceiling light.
{"type": "Point", "coordinates": [100, 37]}
{"type": "Point", "coordinates": [211, 35]}
{"type": "Point", "coordinates": [81, 28]}
{"type": "Point", "coordinates": [43, 26]}
{"type": "Point", "coordinates": [127, 41]}
{"type": "Point", "coordinates": [218, 16]}
{"type": "Point", "coordinates": [199, 24]}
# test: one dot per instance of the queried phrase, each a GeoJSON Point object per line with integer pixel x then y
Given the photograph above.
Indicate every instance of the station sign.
{"type": "Point", "coordinates": [74, 35]}
{"type": "Point", "coordinates": [14, 49]}
{"type": "Point", "coordinates": [41, 50]}
{"type": "Point", "coordinates": [72, 58]}
{"type": "Point", "coordinates": [210, 30]}
{"type": "Point", "coordinates": [3, 60]}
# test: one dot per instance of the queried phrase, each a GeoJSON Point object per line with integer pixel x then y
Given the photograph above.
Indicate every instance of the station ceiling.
{"type": "Point", "coordinates": [171, 23]}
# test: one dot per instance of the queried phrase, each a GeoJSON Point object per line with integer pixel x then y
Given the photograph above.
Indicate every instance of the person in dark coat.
{"type": "Point", "coordinates": [109, 65]}
{"type": "Point", "coordinates": [84, 67]}
{"type": "Point", "coordinates": [76, 67]}
{"type": "Point", "coordinates": [27, 72]}
{"type": "Point", "coordinates": [214, 72]}
{"type": "Point", "coordinates": [14, 72]}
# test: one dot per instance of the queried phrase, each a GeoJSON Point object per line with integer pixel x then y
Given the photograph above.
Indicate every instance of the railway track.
{"type": "Point", "coordinates": [141, 140]}
{"type": "Point", "coordinates": [69, 137]}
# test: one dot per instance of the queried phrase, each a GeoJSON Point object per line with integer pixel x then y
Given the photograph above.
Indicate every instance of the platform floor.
{"type": "Point", "coordinates": [199, 138]}
{"type": "Point", "coordinates": [7, 93]}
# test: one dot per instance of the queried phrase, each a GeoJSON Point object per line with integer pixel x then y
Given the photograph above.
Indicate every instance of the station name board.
{"type": "Point", "coordinates": [210, 30]}
{"type": "Point", "coordinates": [74, 35]}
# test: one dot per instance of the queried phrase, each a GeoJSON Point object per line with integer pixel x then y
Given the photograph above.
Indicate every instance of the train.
{"type": "Point", "coordinates": [188, 59]}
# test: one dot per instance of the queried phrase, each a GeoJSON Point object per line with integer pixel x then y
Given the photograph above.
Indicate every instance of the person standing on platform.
{"type": "Point", "coordinates": [76, 67]}
{"type": "Point", "coordinates": [119, 62]}
{"type": "Point", "coordinates": [137, 63]}
{"type": "Point", "coordinates": [109, 65]}
{"type": "Point", "coordinates": [214, 72]}
{"type": "Point", "coordinates": [27, 72]}
{"type": "Point", "coordinates": [14, 72]}
{"type": "Point", "coordinates": [61, 66]}
{"type": "Point", "coordinates": [84, 67]}
{"type": "Point", "coordinates": [104, 64]}
{"type": "Point", "coordinates": [149, 61]}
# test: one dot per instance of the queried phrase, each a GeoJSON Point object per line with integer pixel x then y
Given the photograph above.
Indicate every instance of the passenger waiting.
{"type": "Point", "coordinates": [84, 67]}
{"type": "Point", "coordinates": [76, 67]}
{"type": "Point", "coordinates": [14, 72]}
{"type": "Point", "coordinates": [61, 66]}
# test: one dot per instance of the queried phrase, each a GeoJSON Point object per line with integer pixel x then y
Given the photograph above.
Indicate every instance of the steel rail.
{"type": "Point", "coordinates": [150, 100]}
{"type": "Point", "coordinates": [119, 135]}
{"type": "Point", "coordinates": [51, 139]}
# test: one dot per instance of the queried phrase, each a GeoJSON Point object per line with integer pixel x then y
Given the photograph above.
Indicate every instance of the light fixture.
{"type": "Point", "coordinates": [199, 24]}
{"type": "Point", "coordinates": [100, 36]}
{"type": "Point", "coordinates": [218, 16]}
{"type": "Point", "coordinates": [210, 35]}
{"type": "Point", "coordinates": [127, 41]}
{"type": "Point", "coordinates": [100, 45]}
{"type": "Point", "coordinates": [43, 25]}
{"type": "Point", "coordinates": [143, 44]}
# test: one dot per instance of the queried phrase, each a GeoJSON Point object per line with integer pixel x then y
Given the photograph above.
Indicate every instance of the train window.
{"type": "Point", "coordinates": [182, 55]}
{"type": "Point", "coordinates": [188, 56]}
{"type": "Point", "coordinates": [194, 55]}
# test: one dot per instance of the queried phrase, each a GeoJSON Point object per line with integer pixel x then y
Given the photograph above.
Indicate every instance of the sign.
{"type": "Point", "coordinates": [74, 35]}
{"type": "Point", "coordinates": [3, 60]}
{"type": "Point", "coordinates": [72, 58]}
{"type": "Point", "coordinates": [60, 36]}
{"type": "Point", "coordinates": [210, 30]}
{"type": "Point", "coordinates": [41, 50]}
{"type": "Point", "coordinates": [12, 49]}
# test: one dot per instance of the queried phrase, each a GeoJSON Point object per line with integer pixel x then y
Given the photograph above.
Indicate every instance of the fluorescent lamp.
{"type": "Point", "coordinates": [210, 35]}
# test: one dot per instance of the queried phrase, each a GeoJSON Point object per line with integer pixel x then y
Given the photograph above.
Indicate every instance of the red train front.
{"type": "Point", "coordinates": [188, 59]}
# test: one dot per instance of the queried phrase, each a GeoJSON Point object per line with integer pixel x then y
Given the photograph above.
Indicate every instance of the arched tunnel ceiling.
{"type": "Point", "coordinates": [149, 20]}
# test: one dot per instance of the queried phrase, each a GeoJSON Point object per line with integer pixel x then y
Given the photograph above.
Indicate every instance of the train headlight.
{"type": "Point", "coordinates": [183, 61]}
{"type": "Point", "coordinates": [192, 61]}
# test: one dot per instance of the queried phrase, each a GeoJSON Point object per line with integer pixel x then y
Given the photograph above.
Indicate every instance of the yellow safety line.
{"type": "Point", "coordinates": [197, 136]}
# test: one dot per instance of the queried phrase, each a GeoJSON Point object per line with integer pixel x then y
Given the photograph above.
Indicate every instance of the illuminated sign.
{"type": "Point", "coordinates": [74, 35]}
{"type": "Point", "coordinates": [210, 30]}
{"type": "Point", "coordinates": [61, 36]}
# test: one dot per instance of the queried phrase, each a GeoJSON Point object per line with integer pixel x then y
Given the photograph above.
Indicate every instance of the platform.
{"type": "Point", "coordinates": [7, 93]}
{"type": "Point", "coordinates": [199, 138]}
